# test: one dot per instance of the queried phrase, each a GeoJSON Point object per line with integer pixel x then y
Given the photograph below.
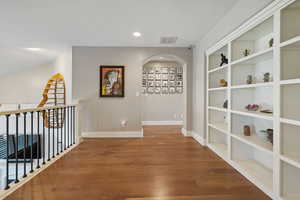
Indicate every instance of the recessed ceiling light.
{"type": "Point", "coordinates": [137, 34]}
{"type": "Point", "coordinates": [33, 49]}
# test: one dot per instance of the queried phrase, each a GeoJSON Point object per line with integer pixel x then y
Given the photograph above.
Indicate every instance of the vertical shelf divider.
{"type": "Point", "coordinates": [229, 102]}
{"type": "Point", "coordinates": [276, 99]}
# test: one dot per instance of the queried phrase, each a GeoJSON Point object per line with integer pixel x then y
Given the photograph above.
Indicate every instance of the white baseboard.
{"type": "Point", "coordinates": [185, 132]}
{"type": "Point", "coordinates": [198, 138]}
{"type": "Point", "coordinates": [113, 134]}
{"type": "Point", "coordinates": [161, 123]}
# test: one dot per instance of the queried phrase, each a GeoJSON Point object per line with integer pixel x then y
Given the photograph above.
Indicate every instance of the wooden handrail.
{"type": "Point", "coordinates": [34, 109]}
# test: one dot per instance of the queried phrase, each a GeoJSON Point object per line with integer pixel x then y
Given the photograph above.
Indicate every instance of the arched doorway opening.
{"type": "Point", "coordinates": [164, 91]}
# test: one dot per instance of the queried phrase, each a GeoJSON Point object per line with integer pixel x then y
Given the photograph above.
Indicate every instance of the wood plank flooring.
{"type": "Point", "coordinates": [163, 165]}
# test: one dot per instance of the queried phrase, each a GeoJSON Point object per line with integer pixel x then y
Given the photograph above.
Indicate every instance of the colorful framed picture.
{"type": "Point", "coordinates": [112, 81]}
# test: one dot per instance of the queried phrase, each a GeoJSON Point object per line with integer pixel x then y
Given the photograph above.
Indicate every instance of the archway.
{"type": "Point", "coordinates": [166, 58]}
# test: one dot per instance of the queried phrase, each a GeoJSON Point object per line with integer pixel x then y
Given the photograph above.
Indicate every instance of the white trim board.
{"type": "Point", "coordinates": [185, 132]}
{"type": "Point", "coordinates": [161, 123]}
{"type": "Point", "coordinates": [198, 138]}
{"type": "Point", "coordinates": [113, 134]}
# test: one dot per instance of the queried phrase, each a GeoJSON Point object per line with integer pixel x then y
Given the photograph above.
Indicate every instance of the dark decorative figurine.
{"type": "Point", "coordinates": [267, 77]}
{"type": "Point", "coordinates": [249, 79]}
{"type": "Point", "coordinates": [224, 60]}
{"type": "Point", "coordinates": [246, 52]}
{"type": "Point", "coordinates": [225, 105]}
{"type": "Point", "coordinates": [271, 42]}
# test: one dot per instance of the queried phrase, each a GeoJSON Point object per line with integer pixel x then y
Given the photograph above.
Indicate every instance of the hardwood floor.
{"type": "Point", "coordinates": [163, 165]}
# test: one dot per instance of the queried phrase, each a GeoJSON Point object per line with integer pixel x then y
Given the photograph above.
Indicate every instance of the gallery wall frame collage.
{"type": "Point", "coordinates": [162, 80]}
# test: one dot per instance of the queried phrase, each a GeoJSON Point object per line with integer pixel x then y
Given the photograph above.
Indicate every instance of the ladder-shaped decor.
{"type": "Point", "coordinates": [54, 94]}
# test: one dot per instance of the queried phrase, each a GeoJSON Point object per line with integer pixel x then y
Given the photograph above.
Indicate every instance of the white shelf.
{"type": "Point", "coordinates": [290, 121]}
{"type": "Point", "coordinates": [253, 85]}
{"type": "Point", "coordinates": [256, 142]}
{"type": "Point", "coordinates": [218, 68]}
{"type": "Point", "coordinates": [222, 127]}
{"type": "Point", "coordinates": [290, 42]}
{"type": "Point", "coordinates": [256, 114]}
{"type": "Point", "coordinates": [217, 109]}
{"type": "Point", "coordinates": [220, 149]}
{"type": "Point", "coordinates": [289, 82]}
{"type": "Point", "coordinates": [217, 89]}
{"type": "Point", "coordinates": [292, 160]}
{"type": "Point", "coordinates": [256, 173]}
{"type": "Point", "coordinates": [256, 57]}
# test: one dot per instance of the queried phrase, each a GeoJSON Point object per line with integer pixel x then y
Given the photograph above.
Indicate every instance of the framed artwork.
{"type": "Point", "coordinates": [151, 71]}
{"type": "Point", "coordinates": [157, 76]}
{"type": "Point", "coordinates": [157, 83]}
{"type": "Point", "coordinates": [179, 70]}
{"type": "Point", "coordinates": [150, 90]}
{"type": "Point", "coordinates": [150, 83]}
{"type": "Point", "coordinates": [164, 76]}
{"type": "Point", "coordinates": [172, 77]}
{"type": "Point", "coordinates": [173, 70]}
{"type": "Point", "coordinates": [179, 77]}
{"type": "Point", "coordinates": [144, 82]}
{"type": "Point", "coordinates": [172, 83]}
{"type": "Point", "coordinates": [164, 70]}
{"type": "Point", "coordinates": [179, 83]}
{"type": "Point", "coordinates": [151, 76]}
{"type": "Point", "coordinates": [157, 90]}
{"type": "Point", "coordinates": [112, 81]}
{"type": "Point", "coordinates": [165, 83]}
{"type": "Point", "coordinates": [164, 90]}
{"type": "Point", "coordinates": [172, 90]}
{"type": "Point", "coordinates": [179, 90]}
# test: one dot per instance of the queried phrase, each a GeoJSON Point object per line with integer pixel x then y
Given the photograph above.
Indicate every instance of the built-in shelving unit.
{"type": "Point", "coordinates": [268, 75]}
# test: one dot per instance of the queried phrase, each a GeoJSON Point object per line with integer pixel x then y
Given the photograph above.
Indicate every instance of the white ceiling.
{"type": "Point", "coordinates": [107, 22]}
{"type": "Point", "coordinates": [52, 24]}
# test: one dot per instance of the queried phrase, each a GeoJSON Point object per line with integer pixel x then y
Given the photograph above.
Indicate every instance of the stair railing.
{"type": "Point", "coordinates": [29, 139]}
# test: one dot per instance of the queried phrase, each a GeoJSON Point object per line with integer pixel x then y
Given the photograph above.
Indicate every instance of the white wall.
{"type": "Point", "coordinates": [240, 13]}
{"type": "Point", "coordinates": [63, 65]}
{"type": "Point", "coordinates": [25, 87]}
{"type": "Point", "coordinates": [105, 114]}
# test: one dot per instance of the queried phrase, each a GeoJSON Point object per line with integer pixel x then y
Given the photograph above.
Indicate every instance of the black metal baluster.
{"type": "Point", "coordinates": [65, 127]}
{"type": "Point", "coordinates": [71, 132]}
{"type": "Point", "coordinates": [68, 134]}
{"type": "Point", "coordinates": [61, 131]}
{"type": "Point", "coordinates": [7, 152]}
{"type": "Point", "coordinates": [44, 124]}
{"type": "Point", "coordinates": [53, 133]}
{"type": "Point", "coordinates": [74, 127]}
{"type": "Point", "coordinates": [31, 145]}
{"type": "Point", "coordinates": [25, 144]}
{"type": "Point", "coordinates": [17, 146]}
{"type": "Point", "coordinates": [57, 131]}
{"type": "Point", "coordinates": [49, 112]}
{"type": "Point", "coordinates": [38, 140]}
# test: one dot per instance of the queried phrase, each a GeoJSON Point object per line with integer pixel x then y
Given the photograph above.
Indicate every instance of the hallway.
{"type": "Point", "coordinates": [163, 165]}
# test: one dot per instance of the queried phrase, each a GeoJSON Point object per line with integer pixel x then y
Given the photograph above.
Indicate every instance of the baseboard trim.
{"type": "Point", "coordinates": [161, 123]}
{"type": "Point", "coordinates": [185, 132]}
{"type": "Point", "coordinates": [198, 138]}
{"type": "Point", "coordinates": [113, 134]}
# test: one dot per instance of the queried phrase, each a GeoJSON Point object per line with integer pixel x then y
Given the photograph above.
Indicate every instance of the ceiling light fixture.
{"type": "Point", "coordinates": [137, 34]}
{"type": "Point", "coordinates": [33, 49]}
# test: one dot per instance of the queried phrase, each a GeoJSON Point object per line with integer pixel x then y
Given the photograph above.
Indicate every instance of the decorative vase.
{"type": "Point", "coordinates": [247, 131]}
